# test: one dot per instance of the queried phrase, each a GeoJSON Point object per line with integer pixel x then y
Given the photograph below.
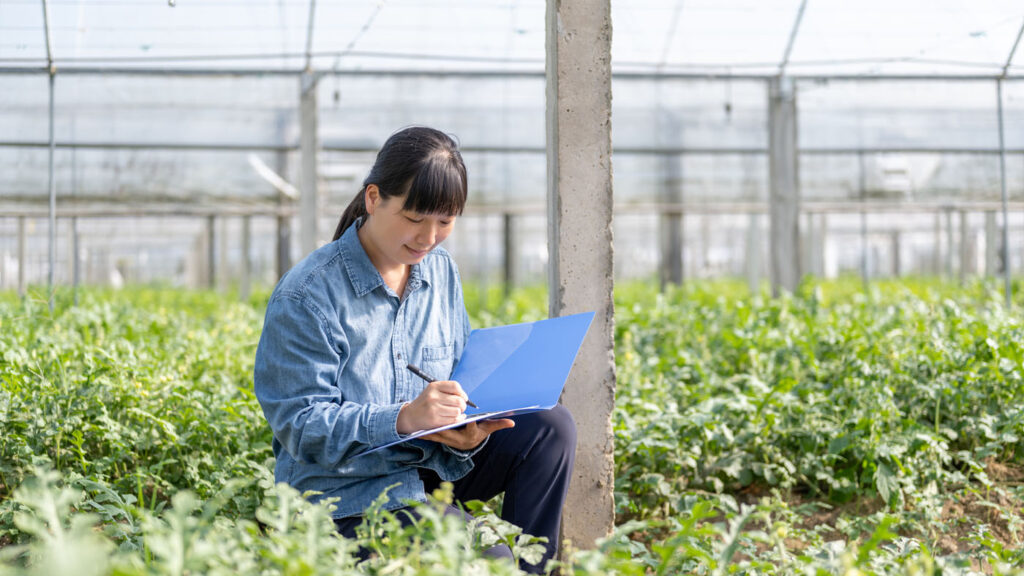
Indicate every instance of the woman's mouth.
{"type": "Point", "coordinates": [417, 253]}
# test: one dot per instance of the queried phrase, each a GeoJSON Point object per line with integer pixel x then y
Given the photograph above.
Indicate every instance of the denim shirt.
{"type": "Point", "coordinates": [330, 373]}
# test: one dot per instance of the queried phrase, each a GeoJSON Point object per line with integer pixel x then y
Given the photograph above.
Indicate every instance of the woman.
{"type": "Point", "coordinates": [340, 329]}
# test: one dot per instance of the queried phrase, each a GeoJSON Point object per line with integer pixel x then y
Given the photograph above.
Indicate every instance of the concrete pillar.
{"type": "Point", "coordinates": [784, 202]}
{"type": "Point", "coordinates": [223, 253]}
{"type": "Point", "coordinates": [309, 143]}
{"type": "Point", "coordinates": [949, 245]}
{"type": "Point", "coordinates": [670, 232]}
{"type": "Point", "coordinates": [822, 242]}
{"type": "Point", "coordinates": [22, 262]}
{"type": "Point", "coordinates": [965, 247]}
{"type": "Point", "coordinates": [209, 243]}
{"type": "Point", "coordinates": [991, 244]}
{"type": "Point", "coordinates": [245, 264]}
{"type": "Point", "coordinates": [670, 223]}
{"type": "Point", "coordinates": [510, 253]}
{"type": "Point", "coordinates": [753, 259]}
{"type": "Point", "coordinates": [808, 245]}
{"type": "Point", "coordinates": [897, 266]}
{"type": "Point", "coordinates": [283, 256]}
{"type": "Point", "coordinates": [76, 259]}
{"type": "Point", "coordinates": [578, 69]}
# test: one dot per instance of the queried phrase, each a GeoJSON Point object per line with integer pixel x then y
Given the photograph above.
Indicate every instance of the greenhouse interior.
{"type": "Point", "coordinates": [816, 362]}
{"type": "Point", "coordinates": [174, 127]}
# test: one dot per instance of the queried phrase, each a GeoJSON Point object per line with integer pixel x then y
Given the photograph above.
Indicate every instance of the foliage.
{"type": "Point", "coordinates": [827, 432]}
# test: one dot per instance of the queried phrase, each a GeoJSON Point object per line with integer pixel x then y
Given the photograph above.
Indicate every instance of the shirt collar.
{"type": "Point", "coordinates": [361, 271]}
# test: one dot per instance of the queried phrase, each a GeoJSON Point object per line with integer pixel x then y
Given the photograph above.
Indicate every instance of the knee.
{"type": "Point", "coordinates": [561, 428]}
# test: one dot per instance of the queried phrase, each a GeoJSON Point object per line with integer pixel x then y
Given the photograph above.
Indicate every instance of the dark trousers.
{"type": "Point", "coordinates": [531, 463]}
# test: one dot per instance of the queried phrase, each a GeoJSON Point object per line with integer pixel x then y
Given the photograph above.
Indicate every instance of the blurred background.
{"type": "Point", "coordinates": [179, 129]}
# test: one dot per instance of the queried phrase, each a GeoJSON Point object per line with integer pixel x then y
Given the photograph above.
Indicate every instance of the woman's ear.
{"type": "Point", "coordinates": [372, 198]}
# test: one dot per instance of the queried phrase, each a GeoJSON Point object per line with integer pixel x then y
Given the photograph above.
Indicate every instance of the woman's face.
{"type": "Point", "coordinates": [401, 236]}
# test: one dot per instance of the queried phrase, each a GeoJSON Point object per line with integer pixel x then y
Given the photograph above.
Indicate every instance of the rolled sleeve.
{"type": "Point", "coordinates": [466, 454]}
{"type": "Point", "coordinates": [383, 424]}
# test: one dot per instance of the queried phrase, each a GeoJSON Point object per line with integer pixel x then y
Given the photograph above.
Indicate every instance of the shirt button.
{"type": "Point", "coordinates": [399, 355]}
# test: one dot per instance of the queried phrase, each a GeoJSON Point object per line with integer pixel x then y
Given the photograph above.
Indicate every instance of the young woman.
{"type": "Point", "coordinates": [342, 325]}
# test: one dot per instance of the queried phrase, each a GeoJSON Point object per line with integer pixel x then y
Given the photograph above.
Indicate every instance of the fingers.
{"type": "Point", "coordinates": [448, 397]}
{"type": "Point", "coordinates": [451, 388]}
{"type": "Point", "coordinates": [440, 403]}
{"type": "Point", "coordinates": [491, 426]}
{"type": "Point", "coordinates": [471, 435]}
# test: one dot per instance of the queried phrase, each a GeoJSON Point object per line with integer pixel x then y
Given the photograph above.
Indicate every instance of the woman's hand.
{"type": "Point", "coordinates": [441, 403]}
{"type": "Point", "coordinates": [471, 435]}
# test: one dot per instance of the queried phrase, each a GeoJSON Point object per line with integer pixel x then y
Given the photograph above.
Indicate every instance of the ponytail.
{"type": "Point", "coordinates": [356, 209]}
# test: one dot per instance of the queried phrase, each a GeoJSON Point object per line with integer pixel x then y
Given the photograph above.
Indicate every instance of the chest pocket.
{"type": "Point", "coordinates": [438, 360]}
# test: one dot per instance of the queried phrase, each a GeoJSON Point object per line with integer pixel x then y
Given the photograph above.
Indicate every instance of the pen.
{"type": "Point", "coordinates": [429, 378]}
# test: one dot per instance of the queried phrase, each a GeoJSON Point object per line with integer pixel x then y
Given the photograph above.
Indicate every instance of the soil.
{"type": "Point", "coordinates": [965, 510]}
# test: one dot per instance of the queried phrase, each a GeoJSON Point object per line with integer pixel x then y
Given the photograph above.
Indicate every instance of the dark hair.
{"type": "Point", "coordinates": [420, 163]}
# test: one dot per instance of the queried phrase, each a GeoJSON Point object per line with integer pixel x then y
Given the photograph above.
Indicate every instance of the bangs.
{"type": "Point", "coordinates": [439, 186]}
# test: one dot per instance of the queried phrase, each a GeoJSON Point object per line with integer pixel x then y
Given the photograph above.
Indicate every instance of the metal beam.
{"type": "Point", "coordinates": [792, 38]}
{"type": "Point", "coordinates": [1007, 287]}
{"type": "Point", "coordinates": [488, 149]}
{"type": "Point", "coordinates": [309, 37]}
{"type": "Point", "coordinates": [784, 190]}
{"type": "Point", "coordinates": [309, 201]}
{"type": "Point", "coordinates": [49, 38]}
{"type": "Point", "coordinates": [90, 210]}
{"type": "Point", "coordinates": [22, 261]}
{"type": "Point", "coordinates": [52, 71]}
{"type": "Point", "coordinates": [1013, 51]}
{"type": "Point", "coordinates": [495, 73]}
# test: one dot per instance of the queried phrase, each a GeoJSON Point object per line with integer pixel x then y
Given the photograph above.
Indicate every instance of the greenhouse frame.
{"type": "Point", "coordinates": [691, 136]}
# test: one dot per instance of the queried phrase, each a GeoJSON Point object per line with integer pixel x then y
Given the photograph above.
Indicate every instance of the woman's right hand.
{"type": "Point", "coordinates": [441, 403]}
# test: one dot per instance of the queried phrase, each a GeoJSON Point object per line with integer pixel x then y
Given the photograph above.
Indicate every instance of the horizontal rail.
{"type": "Point", "coordinates": [638, 150]}
{"type": "Point", "coordinates": [671, 209]}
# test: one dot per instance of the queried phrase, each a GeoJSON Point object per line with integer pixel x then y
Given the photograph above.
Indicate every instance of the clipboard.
{"type": "Point", "coordinates": [514, 369]}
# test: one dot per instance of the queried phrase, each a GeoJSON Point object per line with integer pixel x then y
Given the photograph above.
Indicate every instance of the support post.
{"type": "Point", "coordinates": [51, 276]}
{"type": "Point", "coordinates": [670, 223]}
{"type": "Point", "coordinates": [784, 202]}
{"type": "Point", "coordinates": [211, 252]}
{"type": "Point", "coordinates": [822, 242]}
{"type": "Point", "coordinates": [897, 264]}
{"type": "Point", "coordinates": [753, 259]}
{"type": "Point", "coordinates": [283, 259]}
{"type": "Point", "coordinates": [965, 248]}
{"type": "Point", "coordinates": [949, 244]}
{"type": "Point", "coordinates": [578, 102]}
{"type": "Point", "coordinates": [991, 244]}
{"type": "Point", "coordinates": [863, 175]}
{"type": "Point", "coordinates": [22, 262]}
{"type": "Point", "coordinates": [245, 265]}
{"type": "Point", "coordinates": [1007, 287]}
{"type": "Point", "coordinates": [510, 253]}
{"type": "Point", "coordinates": [309, 143]}
{"type": "Point", "coordinates": [76, 259]}
{"type": "Point", "coordinates": [223, 251]}
{"type": "Point", "coordinates": [671, 233]}
{"type": "Point", "coordinates": [808, 246]}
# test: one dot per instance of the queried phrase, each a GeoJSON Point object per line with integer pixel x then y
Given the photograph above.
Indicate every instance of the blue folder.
{"type": "Point", "coordinates": [514, 369]}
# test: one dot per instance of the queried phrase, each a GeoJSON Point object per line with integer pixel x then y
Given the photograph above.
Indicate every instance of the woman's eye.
{"type": "Point", "coordinates": [446, 222]}
{"type": "Point", "coordinates": [414, 220]}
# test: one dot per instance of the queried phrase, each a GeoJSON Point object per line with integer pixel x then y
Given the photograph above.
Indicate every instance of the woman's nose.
{"type": "Point", "coordinates": [428, 232]}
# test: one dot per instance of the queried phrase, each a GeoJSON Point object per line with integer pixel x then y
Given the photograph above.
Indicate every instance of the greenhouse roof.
{"type": "Point", "coordinates": [714, 37]}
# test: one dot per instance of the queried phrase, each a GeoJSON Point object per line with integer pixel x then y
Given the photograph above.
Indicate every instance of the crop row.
{"type": "Point", "coordinates": [827, 432]}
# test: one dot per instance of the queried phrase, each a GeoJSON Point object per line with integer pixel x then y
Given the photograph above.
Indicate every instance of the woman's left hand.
{"type": "Point", "coordinates": [471, 435]}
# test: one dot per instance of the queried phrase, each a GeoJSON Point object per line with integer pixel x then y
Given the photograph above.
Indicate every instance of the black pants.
{"type": "Point", "coordinates": [531, 463]}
